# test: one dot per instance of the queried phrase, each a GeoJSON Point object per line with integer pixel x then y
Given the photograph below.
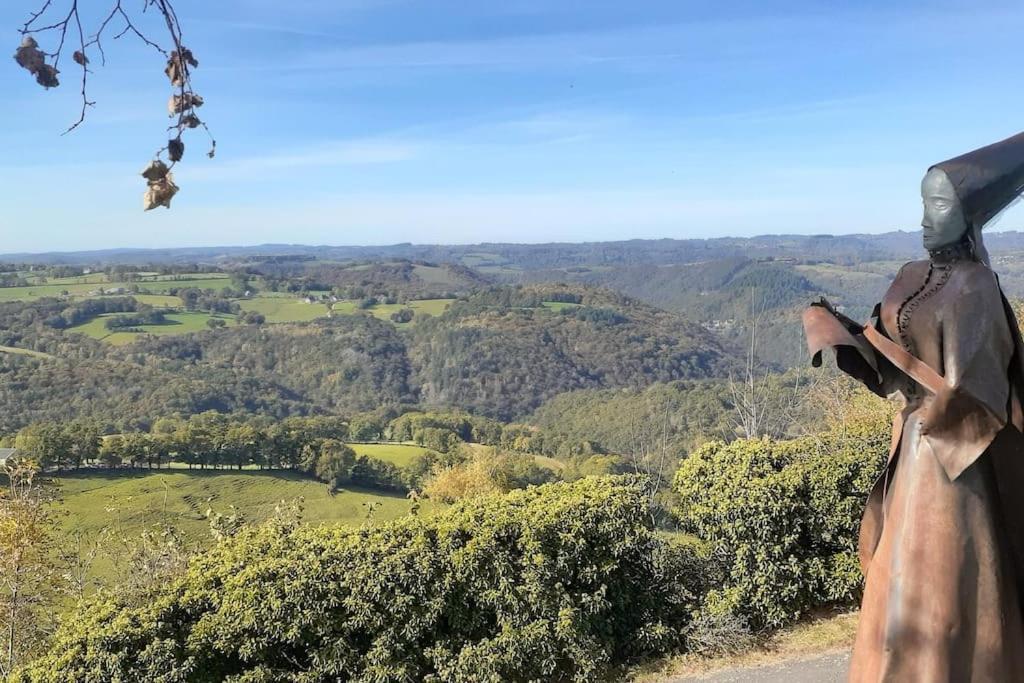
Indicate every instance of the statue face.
{"type": "Point", "coordinates": [944, 223]}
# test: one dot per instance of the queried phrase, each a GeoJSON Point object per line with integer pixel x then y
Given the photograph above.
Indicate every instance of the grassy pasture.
{"type": "Point", "coordinates": [131, 501]}
{"type": "Point", "coordinates": [435, 275]}
{"type": "Point", "coordinates": [178, 323]}
{"type": "Point", "coordinates": [396, 453]}
{"type": "Point", "coordinates": [557, 306]}
{"type": "Point", "coordinates": [181, 498]}
{"type": "Point", "coordinates": [384, 311]}
{"type": "Point", "coordinates": [154, 277]}
{"type": "Point", "coordinates": [284, 310]}
{"type": "Point", "coordinates": [15, 351]}
{"type": "Point", "coordinates": [91, 278]}
{"type": "Point", "coordinates": [86, 289]}
{"type": "Point", "coordinates": [159, 300]}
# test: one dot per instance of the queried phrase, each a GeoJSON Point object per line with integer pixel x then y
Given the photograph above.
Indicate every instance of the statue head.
{"type": "Point", "coordinates": [944, 222]}
{"type": "Point", "coordinates": [962, 195]}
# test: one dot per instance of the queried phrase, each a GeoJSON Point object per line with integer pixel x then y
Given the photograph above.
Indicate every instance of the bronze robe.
{"type": "Point", "coordinates": [940, 541]}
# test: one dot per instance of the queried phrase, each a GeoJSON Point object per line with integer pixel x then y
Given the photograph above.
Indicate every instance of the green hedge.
{"type": "Point", "coordinates": [781, 520]}
{"type": "Point", "coordinates": [558, 582]}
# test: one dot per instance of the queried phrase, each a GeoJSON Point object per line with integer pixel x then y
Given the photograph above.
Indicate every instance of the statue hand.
{"type": "Point", "coordinates": [850, 324]}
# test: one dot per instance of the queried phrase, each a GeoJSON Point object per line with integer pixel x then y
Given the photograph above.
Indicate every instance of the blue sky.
{"type": "Point", "coordinates": [384, 121]}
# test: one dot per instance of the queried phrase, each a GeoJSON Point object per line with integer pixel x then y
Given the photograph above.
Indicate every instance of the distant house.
{"type": "Point", "coordinates": [6, 454]}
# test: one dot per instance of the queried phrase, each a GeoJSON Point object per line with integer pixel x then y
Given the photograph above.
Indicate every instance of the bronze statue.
{"type": "Point", "coordinates": [942, 538]}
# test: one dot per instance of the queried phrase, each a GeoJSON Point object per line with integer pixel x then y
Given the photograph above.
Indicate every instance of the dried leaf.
{"type": "Point", "coordinates": [191, 121]}
{"type": "Point", "coordinates": [157, 170]}
{"type": "Point", "coordinates": [174, 73]}
{"type": "Point", "coordinates": [177, 66]}
{"type": "Point", "coordinates": [29, 56]}
{"type": "Point", "coordinates": [181, 103]}
{"type": "Point", "coordinates": [160, 193]}
{"type": "Point", "coordinates": [80, 58]}
{"type": "Point", "coordinates": [47, 76]}
{"type": "Point", "coordinates": [175, 149]}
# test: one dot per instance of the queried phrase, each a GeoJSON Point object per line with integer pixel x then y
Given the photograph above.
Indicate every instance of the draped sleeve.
{"type": "Point", "coordinates": [962, 420]}
{"type": "Point", "coordinates": [854, 354]}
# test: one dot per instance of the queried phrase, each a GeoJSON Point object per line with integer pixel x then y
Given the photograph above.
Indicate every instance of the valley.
{"type": "Point", "coordinates": [181, 405]}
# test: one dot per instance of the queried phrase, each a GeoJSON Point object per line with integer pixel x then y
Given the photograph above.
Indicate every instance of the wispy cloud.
{"type": "Point", "coordinates": [326, 154]}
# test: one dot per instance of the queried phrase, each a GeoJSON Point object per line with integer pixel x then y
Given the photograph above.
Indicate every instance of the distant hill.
{"type": "Point", "coordinates": [495, 256]}
{"type": "Point", "coordinates": [500, 352]}
{"type": "Point", "coordinates": [504, 352]}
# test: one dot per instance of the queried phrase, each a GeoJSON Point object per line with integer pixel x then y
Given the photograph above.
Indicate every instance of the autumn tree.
{"type": "Point", "coordinates": [26, 563]}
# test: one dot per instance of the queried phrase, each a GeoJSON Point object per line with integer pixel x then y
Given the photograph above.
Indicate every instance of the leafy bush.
{"type": "Point", "coordinates": [459, 482]}
{"type": "Point", "coordinates": [334, 463]}
{"type": "Point", "coordinates": [555, 583]}
{"type": "Point", "coordinates": [782, 517]}
{"type": "Point", "coordinates": [484, 472]}
{"type": "Point", "coordinates": [378, 474]}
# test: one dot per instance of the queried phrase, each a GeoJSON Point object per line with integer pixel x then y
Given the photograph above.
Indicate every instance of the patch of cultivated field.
{"type": "Point", "coordinates": [177, 323]}
{"type": "Point", "coordinates": [209, 281]}
{"type": "Point", "coordinates": [435, 275]}
{"type": "Point", "coordinates": [87, 289]}
{"type": "Point", "coordinates": [181, 498]}
{"type": "Point", "coordinates": [159, 300]}
{"type": "Point", "coordinates": [15, 351]}
{"type": "Point", "coordinates": [91, 278]}
{"type": "Point", "coordinates": [384, 311]}
{"type": "Point", "coordinates": [284, 310]}
{"type": "Point", "coordinates": [155, 277]}
{"type": "Point", "coordinates": [557, 306]}
{"type": "Point", "coordinates": [132, 502]}
{"type": "Point", "coordinates": [396, 453]}
{"type": "Point", "coordinates": [39, 291]}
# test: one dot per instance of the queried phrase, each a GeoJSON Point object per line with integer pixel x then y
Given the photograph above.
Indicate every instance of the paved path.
{"type": "Point", "coordinates": [830, 668]}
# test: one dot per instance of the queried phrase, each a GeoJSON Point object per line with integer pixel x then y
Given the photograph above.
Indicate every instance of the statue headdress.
{"type": "Point", "coordinates": [987, 181]}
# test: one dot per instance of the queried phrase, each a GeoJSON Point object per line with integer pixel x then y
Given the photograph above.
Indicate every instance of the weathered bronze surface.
{"type": "Point", "coordinates": [942, 537]}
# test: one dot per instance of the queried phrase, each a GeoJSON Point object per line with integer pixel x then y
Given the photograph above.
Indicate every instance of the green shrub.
{"type": "Point", "coordinates": [781, 518]}
{"type": "Point", "coordinates": [554, 583]}
{"type": "Point", "coordinates": [378, 474]}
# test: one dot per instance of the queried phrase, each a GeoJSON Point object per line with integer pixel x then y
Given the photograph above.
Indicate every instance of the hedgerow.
{"type": "Point", "coordinates": [557, 582]}
{"type": "Point", "coordinates": [781, 519]}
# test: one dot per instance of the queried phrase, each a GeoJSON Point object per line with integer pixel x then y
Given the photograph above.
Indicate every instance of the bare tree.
{"type": "Point", "coordinates": [652, 453]}
{"type": "Point", "coordinates": [59, 25]}
{"type": "Point", "coordinates": [761, 406]}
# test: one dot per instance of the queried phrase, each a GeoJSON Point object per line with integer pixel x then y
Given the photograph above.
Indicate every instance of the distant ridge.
{"type": "Point", "coordinates": [805, 247]}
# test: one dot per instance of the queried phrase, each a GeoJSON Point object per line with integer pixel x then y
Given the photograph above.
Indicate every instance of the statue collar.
{"type": "Point", "coordinates": [961, 251]}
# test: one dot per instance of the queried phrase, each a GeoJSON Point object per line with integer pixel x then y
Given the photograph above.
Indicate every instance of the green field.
{"type": "Point", "coordinates": [284, 310]}
{"type": "Point", "coordinates": [179, 323]}
{"type": "Point", "coordinates": [159, 300]}
{"type": "Point", "coordinates": [77, 289]}
{"type": "Point", "coordinates": [557, 306]}
{"type": "Point", "coordinates": [14, 351]}
{"type": "Point", "coordinates": [435, 275]}
{"type": "Point", "coordinates": [154, 277]}
{"type": "Point", "coordinates": [92, 278]}
{"type": "Point", "coordinates": [129, 502]}
{"type": "Point", "coordinates": [384, 311]}
{"type": "Point", "coordinates": [181, 499]}
{"type": "Point", "coordinates": [395, 453]}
